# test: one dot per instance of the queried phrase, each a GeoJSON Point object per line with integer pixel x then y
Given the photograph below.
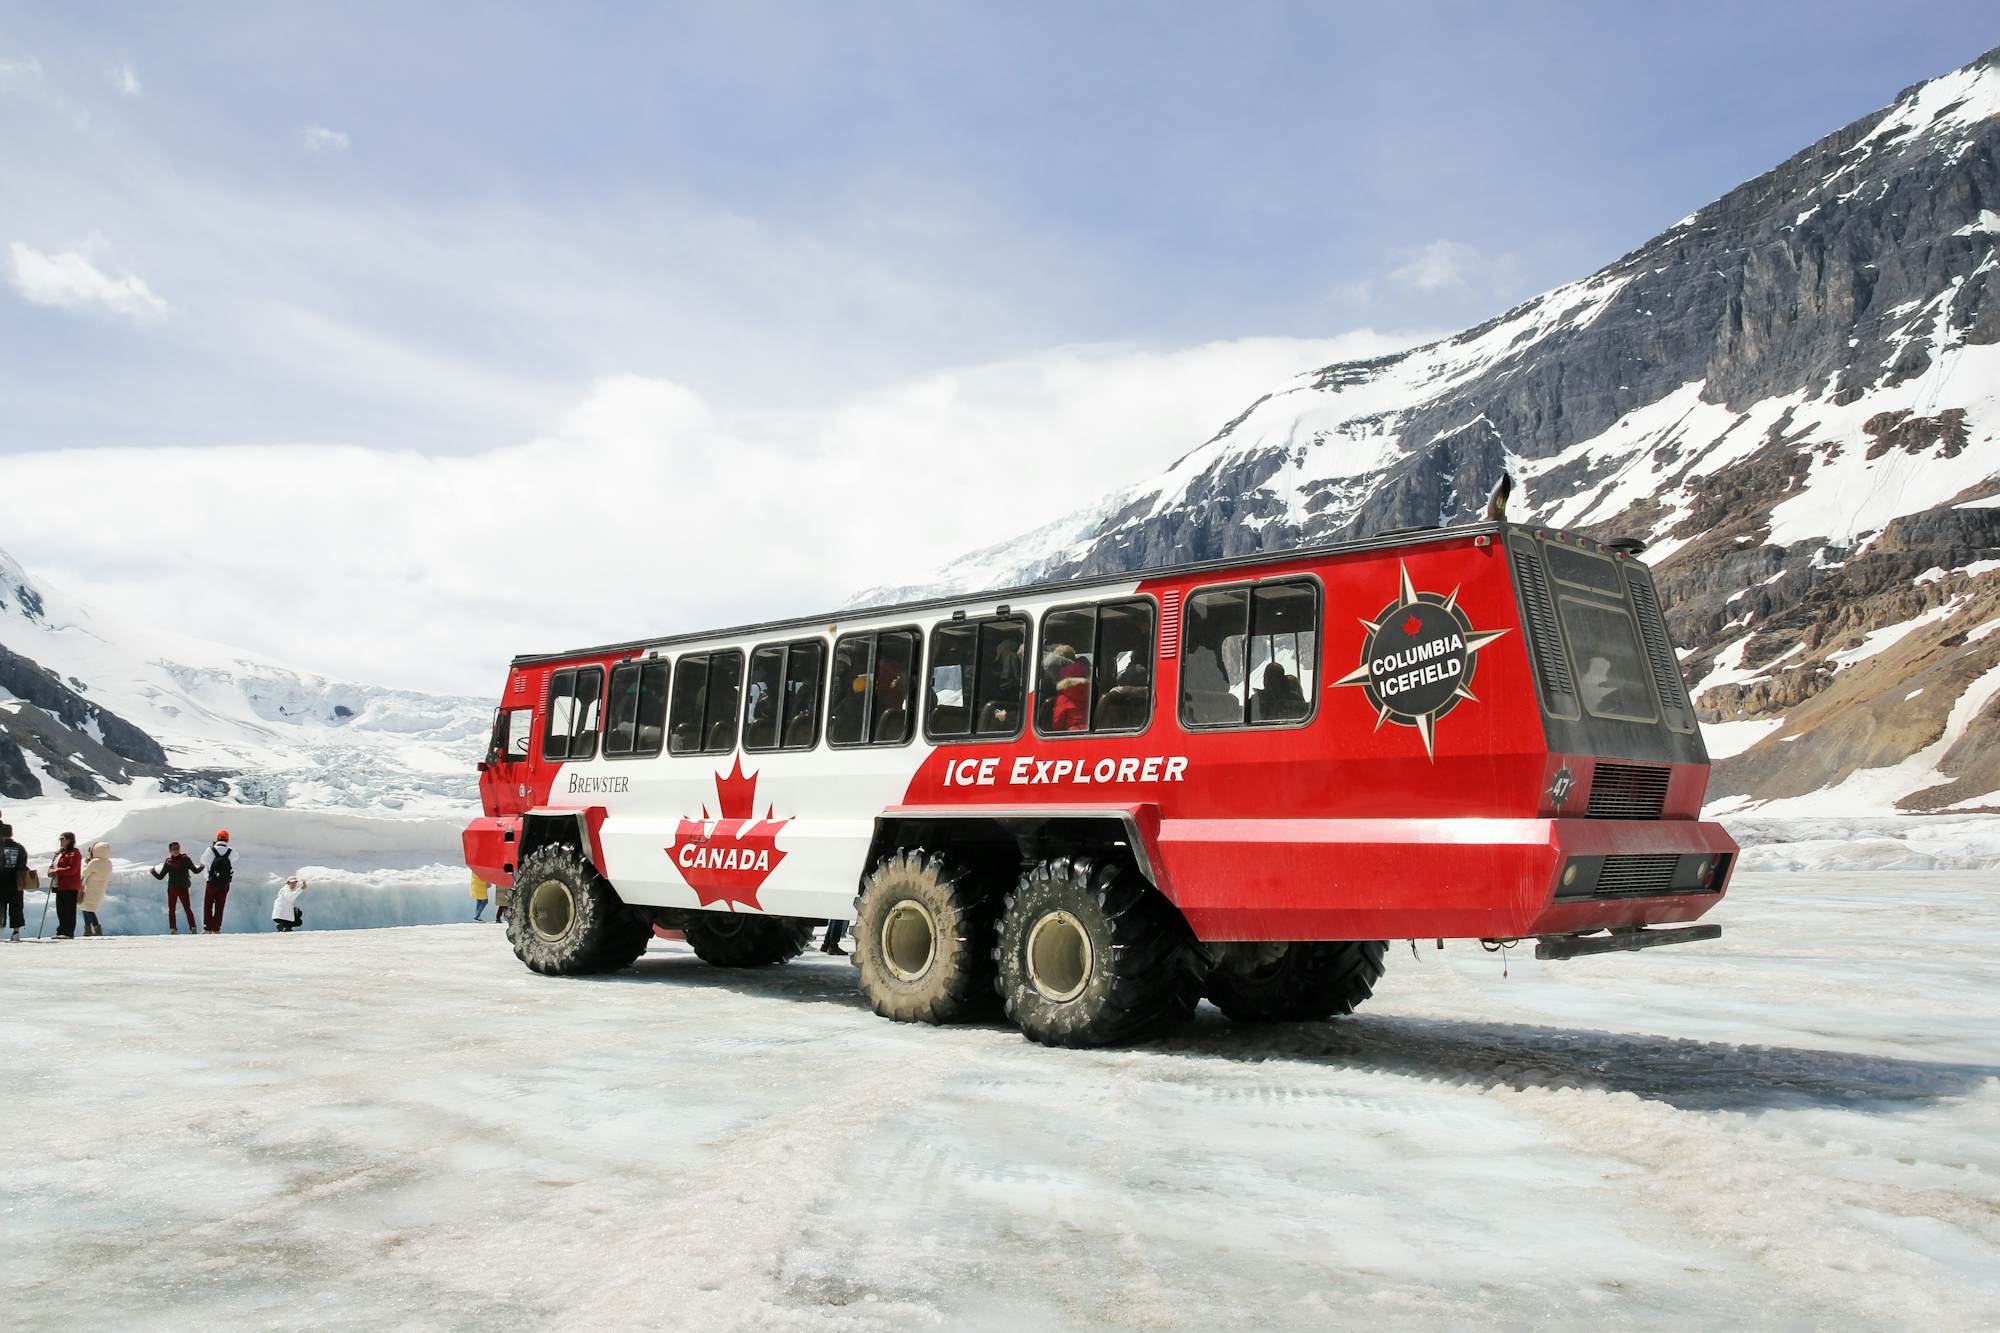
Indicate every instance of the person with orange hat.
{"type": "Point", "coordinates": [215, 894]}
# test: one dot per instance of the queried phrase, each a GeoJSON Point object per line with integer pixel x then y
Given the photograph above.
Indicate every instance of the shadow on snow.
{"type": "Point", "coordinates": [1688, 1074]}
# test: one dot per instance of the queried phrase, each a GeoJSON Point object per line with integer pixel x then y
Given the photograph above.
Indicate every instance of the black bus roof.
{"type": "Point", "coordinates": [1377, 542]}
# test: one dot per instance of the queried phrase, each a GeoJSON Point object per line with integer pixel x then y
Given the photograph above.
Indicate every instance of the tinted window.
{"type": "Point", "coordinates": [638, 709]}
{"type": "Point", "coordinates": [589, 700]}
{"type": "Point", "coordinates": [1586, 569]}
{"type": "Point", "coordinates": [562, 715]}
{"type": "Point", "coordinates": [874, 679]}
{"type": "Point", "coordinates": [1096, 672]}
{"type": "Point", "coordinates": [725, 696]}
{"type": "Point", "coordinates": [652, 708]}
{"type": "Point", "coordinates": [1284, 650]}
{"type": "Point", "coordinates": [690, 701]}
{"type": "Point", "coordinates": [520, 726]}
{"type": "Point", "coordinates": [781, 702]}
{"type": "Point", "coordinates": [1250, 655]}
{"type": "Point", "coordinates": [977, 686]}
{"type": "Point", "coordinates": [805, 672]}
{"type": "Point", "coordinates": [1062, 689]}
{"type": "Point", "coordinates": [760, 716]}
{"type": "Point", "coordinates": [1214, 627]}
{"type": "Point", "coordinates": [623, 731]}
{"type": "Point", "coordinates": [1610, 673]}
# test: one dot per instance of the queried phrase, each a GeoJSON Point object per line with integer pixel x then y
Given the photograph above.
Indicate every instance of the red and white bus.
{"type": "Point", "coordinates": [1090, 804]}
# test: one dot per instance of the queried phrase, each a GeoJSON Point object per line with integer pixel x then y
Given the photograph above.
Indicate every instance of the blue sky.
{"type": "Point", "coordinates": [447, 232]}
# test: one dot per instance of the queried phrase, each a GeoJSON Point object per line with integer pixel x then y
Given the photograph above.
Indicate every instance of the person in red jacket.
{"type": "Point", "coordinates": [66, 882]}
{"type": "Point", "coordinates": [178, 871]}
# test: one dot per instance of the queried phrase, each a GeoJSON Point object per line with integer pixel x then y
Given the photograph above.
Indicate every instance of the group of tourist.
{"type": "Point", "coordinates": [77, 884]}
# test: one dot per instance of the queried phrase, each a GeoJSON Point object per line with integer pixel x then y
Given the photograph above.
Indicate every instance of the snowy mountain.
{"type": "Point", "coordinates": [1793, 395]}
{"type": "Point", "coordinates": [92, 710]}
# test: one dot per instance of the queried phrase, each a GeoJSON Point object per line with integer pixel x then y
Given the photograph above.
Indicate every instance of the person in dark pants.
{"type": "Point", "coordinates": [831, 944]}
{"type": "Point", "coordinates": [13, 880]}
{"type": "Point", "coordinates": [177, 870]}
{"type": "Point", "coordinates": [66, 883]}
{"type": "Point", "coordinates": [215, 895]}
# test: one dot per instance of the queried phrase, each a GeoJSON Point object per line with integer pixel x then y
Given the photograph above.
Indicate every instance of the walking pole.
{"type": "Point", "coordinates": [46, 895]}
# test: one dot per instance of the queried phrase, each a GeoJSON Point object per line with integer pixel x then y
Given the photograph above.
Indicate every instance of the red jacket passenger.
{"type": "Point", "coordinates": [66, 871]}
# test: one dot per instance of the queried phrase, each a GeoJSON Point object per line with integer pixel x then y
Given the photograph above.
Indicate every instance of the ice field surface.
{"type": "Point", "coordinates": [1796, 1125]}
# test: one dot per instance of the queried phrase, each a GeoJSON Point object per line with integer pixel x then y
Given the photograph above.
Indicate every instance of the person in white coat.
{"type": "Point", "coordinates": [285, 913]}
{"type": "Point", "coordinates": [96, 880]}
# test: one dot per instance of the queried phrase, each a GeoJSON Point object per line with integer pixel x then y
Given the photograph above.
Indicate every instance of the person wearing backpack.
{"type": "Point", "coordinates": [177, 870]}
{"type": "Point", "coordinates": [13, 881]}
{"type": "Point", "coordinates": [215, 895]}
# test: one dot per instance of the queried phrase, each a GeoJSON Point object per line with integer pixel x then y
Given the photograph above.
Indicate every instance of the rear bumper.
{"type": "Point", "coordinates": [1446, 878]}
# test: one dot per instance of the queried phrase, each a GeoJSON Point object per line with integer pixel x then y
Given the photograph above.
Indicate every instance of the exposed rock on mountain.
{"type": "Point", "coordinates": [88, 710]}
{"type": "Point", "coordinates": [1793, 394]}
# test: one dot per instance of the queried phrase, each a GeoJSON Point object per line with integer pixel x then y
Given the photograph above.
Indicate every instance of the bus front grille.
{"type": "Point", "coordinates": [1627, 791]}
{"type": "Point", "coordinates": [1636, 875]}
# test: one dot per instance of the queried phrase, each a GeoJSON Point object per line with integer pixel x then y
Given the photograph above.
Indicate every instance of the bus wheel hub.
{"type": "Point", "coordinates": [909, 940]}
{"type": "Point", "coordinates": [551, 909]}
{"type": "Point", "coordinates": [1059, 957]}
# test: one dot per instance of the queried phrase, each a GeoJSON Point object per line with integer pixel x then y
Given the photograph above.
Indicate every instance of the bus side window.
{"type": "Point", "coordinates": [652, 708]}
{"type": "Point", "coordinates": [853, 666]}
{"type": "Point", "coordinates": [1002, 684]}
{"type": "Point", "coordinates": [1122, 667]}
{"type": "Point", "coordinates": [948, 702]}
{"type": "Point", "coordinates": [690, 701]}
{"type": "Point", "coordinates": [588, 712]}
{"type": "Point", "coordinates": [725, 694]}
{"type": "Point", "coordinates": [895, 672]}
{"type": "Point", "coordinates": [874, 676]}
{"type": "Point", "coordinates": [1062, 689]}
{"type": "Point", "coordinates": [1212, 668]}
{"type": "Point", "coordinates": [1284, 634]}
{"type": "Point", "coordinates": [760, 718]}
{"type": "Point", "coordinates": [805, 665]}
{"type": "Point", "coordinates": [520, 727]}
{"type": "Point", "coordinates": [562, 715]}
{"type": "Point", "coordinates": [623, 732]}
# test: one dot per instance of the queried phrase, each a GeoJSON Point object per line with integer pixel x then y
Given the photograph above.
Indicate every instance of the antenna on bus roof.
{"type": "Point", "coordinates": [1496, 504]}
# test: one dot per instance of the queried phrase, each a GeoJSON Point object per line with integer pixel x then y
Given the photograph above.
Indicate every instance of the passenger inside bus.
{"type": "Point", "coordinates": [1067, 682]}
{"type": "Point", "coordinates": [1123, 707]}
{"type": "Point", "coordinates": [1278, 697]}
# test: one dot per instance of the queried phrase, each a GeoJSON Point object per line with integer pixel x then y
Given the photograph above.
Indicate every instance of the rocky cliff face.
{"type": "Point", "coordinates": [1793, 395]}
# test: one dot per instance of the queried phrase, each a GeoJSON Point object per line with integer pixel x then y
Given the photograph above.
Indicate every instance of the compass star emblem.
{"type": "Point", "coordinates": [1418, 658]}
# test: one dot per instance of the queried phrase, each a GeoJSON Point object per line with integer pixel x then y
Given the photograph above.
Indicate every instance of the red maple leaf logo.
{"type": "Point", "coordinates": [727, 859]}
{"type": "Point", "coordinates": [1411, 626]}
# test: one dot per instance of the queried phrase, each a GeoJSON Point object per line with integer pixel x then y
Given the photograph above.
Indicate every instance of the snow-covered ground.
{"type": "Point", "coordinates": [1797, 1125]}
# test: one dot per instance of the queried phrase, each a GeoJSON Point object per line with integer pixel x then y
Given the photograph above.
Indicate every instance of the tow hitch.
{"type": "Point", "coordinates": [1619, 941]}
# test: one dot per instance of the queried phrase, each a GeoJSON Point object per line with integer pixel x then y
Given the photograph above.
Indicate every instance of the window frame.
{"type": "Point", "coordinates": [819, 696]}
{"type": "Point", "coordinates": [869, 717]}
{"type": "Point", "coordinates": [976, 624]}
{"type": "Point", "coordinates": [1091, 732]}
{"type": "Point", "coordinates": [707, 657]}
{"type": "Point", "coordinates": [642, 665]}
{"type": "Point", "coordinates": [1318, 587]}
{"type": "Point", "coordinates": [576, 674]}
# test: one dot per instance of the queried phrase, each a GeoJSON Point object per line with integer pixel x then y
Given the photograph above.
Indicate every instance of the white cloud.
{"type": "Point", "coordinates": [70, 281]}
{"type": "Point", "coordinates": [1442, 265]}
{"type": "Point", "coordinates": [126, 79]}
{"type": "Point", "coordinates": [641, 510]}
{"type": "Point", "coordinates": [320, 139]}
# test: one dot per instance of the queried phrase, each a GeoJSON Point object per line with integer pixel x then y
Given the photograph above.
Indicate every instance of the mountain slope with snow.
{"type": "Point", "coordinates": [1793, 395]}
{"type": "Point", "coordinates": [91, 709]}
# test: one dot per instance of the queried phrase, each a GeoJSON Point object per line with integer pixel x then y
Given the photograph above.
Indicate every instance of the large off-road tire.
{"type": "Point", "coordinates": [923, 940]}
{"type": "Point", "coordinates": [564, 919]}
{"type": "Point", "coordinates": [1092, 955]}
{"type": "Point", "coordinates": [738, 939]}
{"type": "Point", "coordinates": [628, 941]}
{"type": "Point", "coordinates": [1301, 980]}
